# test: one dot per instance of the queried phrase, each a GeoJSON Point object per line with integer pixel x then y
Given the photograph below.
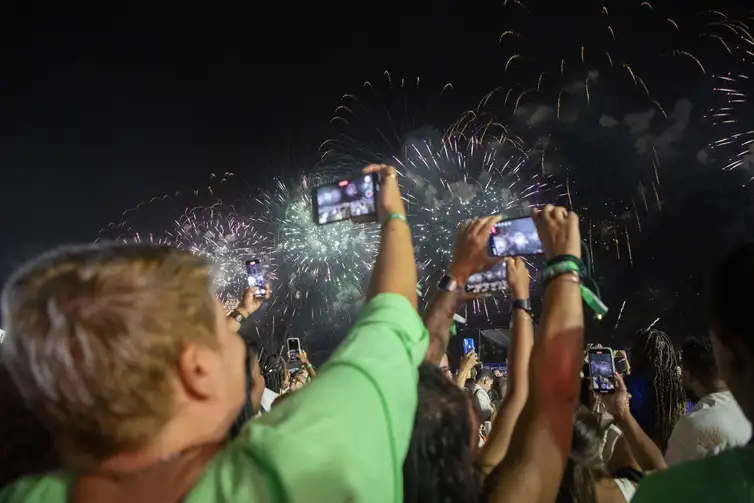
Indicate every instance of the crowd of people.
{"type": "Point", "coordinates": [131, 383]}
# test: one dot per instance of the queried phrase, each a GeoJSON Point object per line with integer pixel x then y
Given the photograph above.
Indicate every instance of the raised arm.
{"type": "Point", "coordinates": [395, 268]}
{"type": "Point", "coordinates": [469, 257]}
{"type": "Point", "coordinates": [349, 430]}
{"type": "Point", "coordinates": [496, 447]}
{"type": "Point", "coordinates": [533, 468]}
{"type": "Point", "coordinates": [248, 305]}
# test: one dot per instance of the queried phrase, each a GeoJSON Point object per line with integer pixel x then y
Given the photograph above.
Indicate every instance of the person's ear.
{"type": "Point", "coordinates": [195, 371]}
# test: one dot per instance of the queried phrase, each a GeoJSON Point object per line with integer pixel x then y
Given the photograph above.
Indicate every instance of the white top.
{"type": "Point", "coordinates": [268, 396]}
{"type": "Point", "coordinates": [716, 424]}
{"type": "Point", "coordinates": [483, 400]}
{"type": "Point", "coordinates": [627, 488]}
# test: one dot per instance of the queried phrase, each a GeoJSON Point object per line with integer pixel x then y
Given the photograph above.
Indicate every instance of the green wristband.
{"type": "Point", "coordinates": [395, 216]}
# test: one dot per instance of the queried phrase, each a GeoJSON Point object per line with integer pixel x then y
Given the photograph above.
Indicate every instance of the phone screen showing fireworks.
{"type": "Point", "coordinates": [294, 348]}
{"type": "Point", "coordinates": [601, 370]}
{"type": "Point", "coordinates": [255, 275]}
{"type": "Point", "coordinates": [513, 238]}
{"type": "Point", "coordinates": [468, 345]}
{"type": "Point", "coordinates": [346, 200]}
{"type": "Point", "coordinates": [489, 281]}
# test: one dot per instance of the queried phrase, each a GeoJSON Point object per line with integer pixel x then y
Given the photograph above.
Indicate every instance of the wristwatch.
{"type": "Point", "coordinates": [448, 284]}
{"type": "Point", "coordinates": [523, 304]}
{"type": "Point", "coordinates": [236, 316]}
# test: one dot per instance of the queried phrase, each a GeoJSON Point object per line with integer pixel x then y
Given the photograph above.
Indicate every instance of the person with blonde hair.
{"type": "Point", "coordinates": [128, 358]}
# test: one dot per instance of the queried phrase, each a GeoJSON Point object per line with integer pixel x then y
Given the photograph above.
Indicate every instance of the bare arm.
{"type": "Point", "coordinates": [248, 305]}
{"type": "Point", "coordinates": [438, 319]}
{"type": "Point", "coordinates": [494, 450]}
{"type": "Point", "coordinates": [395, 268]}
{"type": "Point", "coordinates": [533, 468]}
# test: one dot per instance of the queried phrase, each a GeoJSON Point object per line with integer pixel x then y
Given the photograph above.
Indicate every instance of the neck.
{"type": "Point", "coordinates": [715, 386]}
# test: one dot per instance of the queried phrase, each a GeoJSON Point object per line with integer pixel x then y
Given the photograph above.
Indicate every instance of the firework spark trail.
{"type": "Point", "coordinates": [325, 266]}
{"type": "Point", "coordinates": [227, 240]}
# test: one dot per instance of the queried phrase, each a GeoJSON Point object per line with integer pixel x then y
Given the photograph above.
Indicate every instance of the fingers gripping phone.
{"type": "Point", "coordinates": [294, 348]}
{"type": "Point", "coordinates": [515, 237]}
{"type": "Point", "coordinates": [346, 200]}
{"type": "Point", "coordinates": [256, 277]}
{"type": "Point", "coordinates": [601, 370]}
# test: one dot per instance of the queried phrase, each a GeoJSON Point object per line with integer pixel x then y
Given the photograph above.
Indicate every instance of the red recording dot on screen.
{"type": "Point", "coordinates": [343, 183]}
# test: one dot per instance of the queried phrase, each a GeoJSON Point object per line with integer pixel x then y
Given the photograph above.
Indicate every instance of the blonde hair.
{"type": "Point", "coordinates": [94, 333]}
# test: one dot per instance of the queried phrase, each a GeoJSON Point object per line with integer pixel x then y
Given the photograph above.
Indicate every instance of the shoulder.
{"type": "Point", "coordinates": [390, 307]}
{"type": "Point", "coordinates": [702, 480]}
{"type": "Point", "coordinates": [50, 488]}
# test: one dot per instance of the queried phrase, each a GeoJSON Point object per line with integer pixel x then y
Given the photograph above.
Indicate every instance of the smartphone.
{"type": "Point", "coordinates": [515, 237]}
{"type": "Point", "coordinates": [620, 363]}
{"type": "Point", "coordinates": [294, 348]}
{"type": "Point", "coordinates": [255, 275]}
{"type": "Point", "coordinates": [601, 369]}
{"type": "Point", "coordinates": [346, 200]}
{"type": "Point", "coordinates": [468, 345]}
{"type": "Point", "coordinates": [490, 281]}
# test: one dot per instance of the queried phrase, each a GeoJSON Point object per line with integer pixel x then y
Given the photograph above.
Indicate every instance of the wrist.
{"type": "Point", "coordinates": [459, 273]}
{"type": "Point", "coordinates": [243, 312]}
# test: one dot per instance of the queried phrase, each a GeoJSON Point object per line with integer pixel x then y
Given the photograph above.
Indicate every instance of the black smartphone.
{"type": "Point", "coordinates": [620, 363]}
{"type": "Point", "coordinates": [468, 345]}
{"type": "Point", "coordinates": [515, 237]}
{"type": "Point", "coordinates": [256, 279]}
{"type": "Point", "coordinates": [294, 348]}
{"type": "Point", "coordinates": [489, 281]}
{"type": "Point", "coordinates": [601, 370]}
{"type": "Point", "coordinates": [346, 200]}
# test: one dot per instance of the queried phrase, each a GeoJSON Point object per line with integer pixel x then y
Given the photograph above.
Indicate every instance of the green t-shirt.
{"type": "Point", "coordinates": [342, 438]}
{"type": "Point", "coordinates": [725, 478]}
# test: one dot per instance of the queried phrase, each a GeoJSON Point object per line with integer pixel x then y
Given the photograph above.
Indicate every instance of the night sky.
{"type": "Point", "coordinates": [101, 112]}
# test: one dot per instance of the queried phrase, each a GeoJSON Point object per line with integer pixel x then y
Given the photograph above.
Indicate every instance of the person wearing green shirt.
{"type": "Point", "coordinates": [127, 356]}
{"type": "Point", "coordinates": [729, 476]}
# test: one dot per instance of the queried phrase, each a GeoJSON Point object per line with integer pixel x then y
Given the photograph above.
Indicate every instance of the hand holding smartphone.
{"type": "Point", "coordinates": [294, 348]}
{"type": "Point", "coordinates": [256, 279]}
{"type": "Point", "coordinates": [601, 369]}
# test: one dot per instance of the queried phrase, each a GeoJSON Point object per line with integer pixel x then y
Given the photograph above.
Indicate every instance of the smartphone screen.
{"type": "Point", "coordinates": [468, 345]}
{"type": "Point", "coordinates": [601, 370]}
{"type": "Point", "coordinates": [255, 275]}
{"type": "Point", "coordinates": [294, 348]}
{"type": "Point", "coordinates": [345, 200]}
{"type": "Point", "coordinates": [621, 364]}
{"type": "Point", "coordinates": [513, 238]}
{"type": "Point", "coordinates": [489, 281]}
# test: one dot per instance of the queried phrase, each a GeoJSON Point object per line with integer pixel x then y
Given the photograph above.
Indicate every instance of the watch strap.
{"type": "Point", "coordinates": [448, 284]}
{"type": "Point", "coordinates": [237, 316]}
{"type": "Point", "coordinates": [523, 304]}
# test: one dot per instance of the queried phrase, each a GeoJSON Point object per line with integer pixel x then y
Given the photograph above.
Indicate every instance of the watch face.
{"type": "Point", "coordinates": [447, 283]}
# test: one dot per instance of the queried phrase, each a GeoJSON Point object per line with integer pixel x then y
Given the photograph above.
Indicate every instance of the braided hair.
{"type": "Point", "coordinates": [653, 353]}
{"type": "Point", "coordinates": [274, 369]}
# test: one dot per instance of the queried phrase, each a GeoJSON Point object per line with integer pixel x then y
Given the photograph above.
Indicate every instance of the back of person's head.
{"type": "Point", "coordinates": [484, 373]}
{"type": "Point", "coordinates": [107, 344]}
{"type": "Point", "coordinates": [699, 359]}
{"type": "Point", "coordinates": [585, 466]}
{"type": "Point", "coordinates": [730, 299]}
{"type": "Point", "coordinates": [654, 355]}
{"type": "Point", "coordinates": [439, 465]}
{"type": "Point", "coordinates": [275, 371]}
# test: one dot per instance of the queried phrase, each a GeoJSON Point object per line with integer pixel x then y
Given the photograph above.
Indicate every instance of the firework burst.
{"type": "Point", "coordinates": [324, 267]}
{"type": "Point", "coordinates": [227, 240]}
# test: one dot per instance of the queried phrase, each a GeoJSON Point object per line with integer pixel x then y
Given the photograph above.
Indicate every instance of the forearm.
{"type": "Point", "coordinates": [310, 371]}
{"type": "Point", "coordinates": [438, 319]}
{"type": "Point", "coordinates": [395, 268]}
{"type": "Point", "coordinates": [513, 403]}
{"type": "Point", "coordinates": [234, 324]}
{"type": "Point", "coordinates": [462, 377]}
{"type": "Point", "coordinates": [644, 450]}
{"type": "Point", "coordinates": [544, 431]}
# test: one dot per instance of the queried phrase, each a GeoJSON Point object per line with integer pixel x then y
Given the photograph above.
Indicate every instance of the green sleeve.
{"type": "Point", "coordinates": [345, 435]}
